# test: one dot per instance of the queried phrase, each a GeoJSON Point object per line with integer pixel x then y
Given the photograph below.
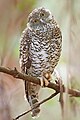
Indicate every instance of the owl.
{"type": "Point", "coordinates": [40, 49]}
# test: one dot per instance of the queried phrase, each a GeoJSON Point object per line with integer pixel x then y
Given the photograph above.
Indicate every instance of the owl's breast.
{"type": "Point", "coordinates": [44, 53]}
{"type": "Point", "coordinates": [39, 56]}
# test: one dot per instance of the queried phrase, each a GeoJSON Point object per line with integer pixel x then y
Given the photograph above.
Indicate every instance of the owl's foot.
{"type": "Point", "coordinates": [44, 82]}
{"type": "Point", "coordinates": [46, 77]}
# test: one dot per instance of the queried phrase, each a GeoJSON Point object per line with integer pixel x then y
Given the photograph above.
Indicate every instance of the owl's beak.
{"type": "Point", "coordinates": [42, 21]}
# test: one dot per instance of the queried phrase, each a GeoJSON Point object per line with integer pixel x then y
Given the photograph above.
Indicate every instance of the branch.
{"type": "Point", "coordinates": [16, 74]}
{"type": "Point", "coordinates": [58, 89]}
{"type": "Point", "coordinates": [43, 101]}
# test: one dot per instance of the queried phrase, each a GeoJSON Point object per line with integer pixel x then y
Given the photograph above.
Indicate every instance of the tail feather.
{"type": "Point", "coordinates": [34, 104]}
{"type": "Point", "coordinates": [31, 91]}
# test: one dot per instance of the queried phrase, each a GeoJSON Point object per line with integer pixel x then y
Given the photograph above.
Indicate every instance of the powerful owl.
{"type": "Point", "coordinates": [40, 48]}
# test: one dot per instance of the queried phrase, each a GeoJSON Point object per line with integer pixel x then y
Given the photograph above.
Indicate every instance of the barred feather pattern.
{"type": "Point", "coordinates": [40, 51]}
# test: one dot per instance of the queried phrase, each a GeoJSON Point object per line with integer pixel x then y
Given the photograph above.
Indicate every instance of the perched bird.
{"type": "Point", "coordinates": [40, 49]}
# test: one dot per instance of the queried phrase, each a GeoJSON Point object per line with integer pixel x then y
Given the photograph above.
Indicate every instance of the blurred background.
{"type": "Point", "coordinates": [13, 19]}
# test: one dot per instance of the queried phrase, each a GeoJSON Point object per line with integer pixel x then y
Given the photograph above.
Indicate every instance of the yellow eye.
{"type": "Point", "coordinates": [42, 14]}
{"type": "Point", "coordinates": [35, 21]}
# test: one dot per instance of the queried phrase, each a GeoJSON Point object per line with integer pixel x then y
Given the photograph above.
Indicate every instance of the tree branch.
{"type": "Point", "coordinates": [16, 74]}
{"type": "Point", "coordinates": [43, 101]}
{"type": "Point", "coordinates": [58, 89]}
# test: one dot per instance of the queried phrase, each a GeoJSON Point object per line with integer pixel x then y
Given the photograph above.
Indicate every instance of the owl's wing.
{"type": "Point", "coordinates": [57, 33]}
{"type": "Point", "coordinates": [24, 60]}
{"type": "Point", "coordinates": [24, 51]}
{"type": "Point", "coordinates": [56, 43]}
{"type": "Point", "coordinates": [31, 90]}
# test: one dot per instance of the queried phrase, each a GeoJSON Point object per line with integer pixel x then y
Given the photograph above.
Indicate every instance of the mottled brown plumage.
{"type": "Point", "coordinates": [40, 49]}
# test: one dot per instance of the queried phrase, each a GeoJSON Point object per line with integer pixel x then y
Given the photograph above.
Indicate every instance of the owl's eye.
{"type": "Point", "coordinates": [35, 21]}
{"type": "Point", "coordinates": [42, 14]}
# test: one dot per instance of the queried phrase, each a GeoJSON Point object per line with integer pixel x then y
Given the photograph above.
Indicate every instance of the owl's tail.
{"type": "Point", "coordinates": [32, 91]}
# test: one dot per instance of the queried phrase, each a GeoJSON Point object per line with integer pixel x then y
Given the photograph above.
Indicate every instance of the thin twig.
{"type": "Point", "coordinates": [61, 98]}
{"type": "Point", "coordinates": [40, 103]}
{"type": "Point", "coordinates": [60, 83]}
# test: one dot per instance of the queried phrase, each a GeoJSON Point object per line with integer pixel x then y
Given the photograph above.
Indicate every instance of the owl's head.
{"type": "Point", "coordinates": [39, 17]}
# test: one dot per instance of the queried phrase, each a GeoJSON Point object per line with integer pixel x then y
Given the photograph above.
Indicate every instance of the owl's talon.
{"type": "Point", "coordinates": [46, 77]}
{"type": "Point", "coordinates": [57, 82]}
{"type": "Point", "coordinates": [44, 82]}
